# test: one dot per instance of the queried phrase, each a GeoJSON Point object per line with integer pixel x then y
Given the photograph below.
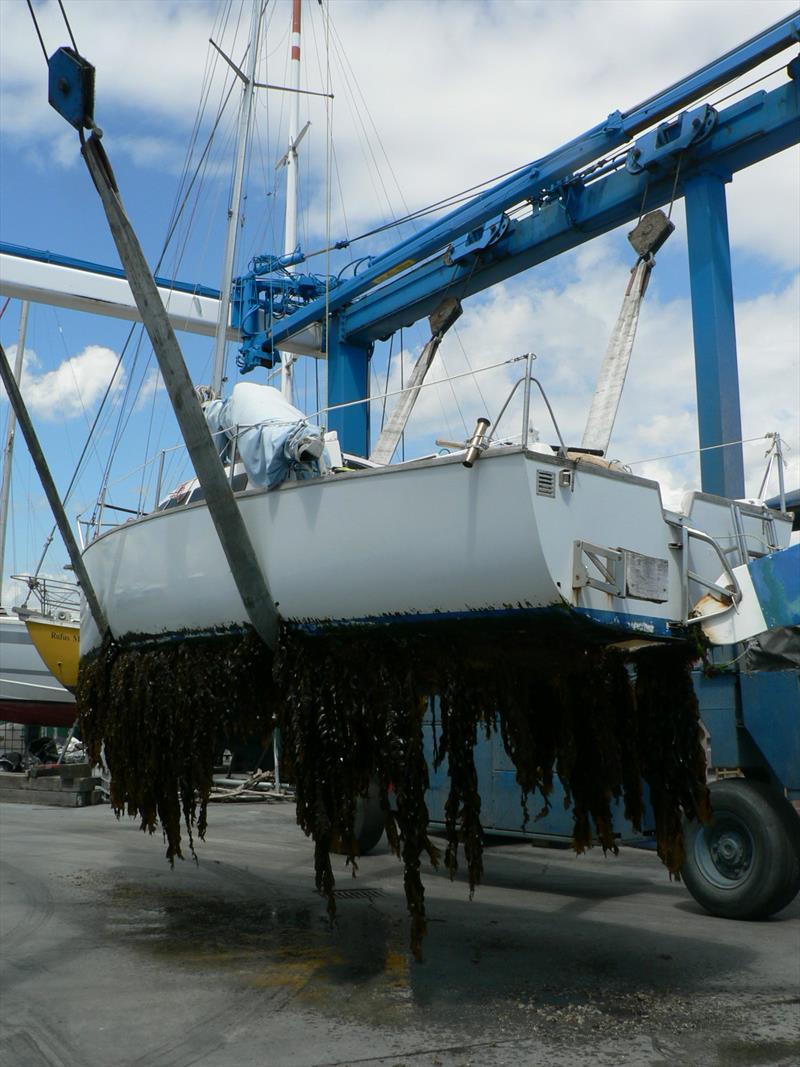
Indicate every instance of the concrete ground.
{"type": "Point", "coordinates": [109, 958]}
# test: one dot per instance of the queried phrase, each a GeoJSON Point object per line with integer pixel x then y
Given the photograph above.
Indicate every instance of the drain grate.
{"type": "Point", "coordinates": [357, 894]}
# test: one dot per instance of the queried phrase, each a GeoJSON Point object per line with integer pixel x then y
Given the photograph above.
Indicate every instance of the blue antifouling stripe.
{"type": "Point", "coordinates": [776, 580]}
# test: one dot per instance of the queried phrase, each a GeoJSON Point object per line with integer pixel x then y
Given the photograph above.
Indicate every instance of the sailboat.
{"type": "Point", "coordinates": [500, 529]}
{"type": "Point", "coordinates": [500, 576]}
{"type": "Point", "coordinates": [39, 646]}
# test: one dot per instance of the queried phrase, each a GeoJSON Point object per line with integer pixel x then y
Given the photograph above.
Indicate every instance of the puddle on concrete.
{"type": "Point", "coordinates": [477, 978]}
{"type": "Point", "coordinates": [360, 968]}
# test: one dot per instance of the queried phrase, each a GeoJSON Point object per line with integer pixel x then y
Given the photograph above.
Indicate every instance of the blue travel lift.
{"type": "Point", "coordinates": [746, 862]}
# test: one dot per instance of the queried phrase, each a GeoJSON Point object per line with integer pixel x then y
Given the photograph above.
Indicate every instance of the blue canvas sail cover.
{"type": "Point", "coordinates": [275, 440]}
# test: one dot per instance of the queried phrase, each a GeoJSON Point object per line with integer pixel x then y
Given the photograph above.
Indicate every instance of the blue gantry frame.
{"type": "Point", "coordinates": [476, 245]}
{"type": "Point", "coordinates": [573, 200]}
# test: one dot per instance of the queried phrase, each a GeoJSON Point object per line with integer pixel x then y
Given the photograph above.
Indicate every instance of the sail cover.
{"type": "Point", "coordinates": [274, 439]}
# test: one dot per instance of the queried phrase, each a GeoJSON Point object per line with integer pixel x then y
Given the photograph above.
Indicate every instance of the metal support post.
{"type": "Point", "coordinates": [348, 380]}
{"type": "Point", "coordinates": [233, 535]}
{"type": "Point", "coordinates": [8, 451]}
{"type": "Point", "coordinates": [716, 371]}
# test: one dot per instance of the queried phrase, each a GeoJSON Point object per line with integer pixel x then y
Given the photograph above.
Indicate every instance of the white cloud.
{"type": "Point", "coordinates": [73, 388]}
{"type": "Point", "coordinates": [569, 325]}
{"type": "Point", "coordinates": [458, 92]}
{"type": "Point", "coordinates": [764, 207]}
{"type": "Point", "coordinates": [153, 383]}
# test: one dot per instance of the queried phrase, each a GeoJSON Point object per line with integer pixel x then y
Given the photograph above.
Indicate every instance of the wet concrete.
{"type": "Point", "coordinates": [109, 958]}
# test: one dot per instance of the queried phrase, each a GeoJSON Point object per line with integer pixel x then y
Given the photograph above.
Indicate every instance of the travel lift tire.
{"type": "Point", "coordinates": [368, 826]}
{"type": "Point", "coordinates": [745, 863]}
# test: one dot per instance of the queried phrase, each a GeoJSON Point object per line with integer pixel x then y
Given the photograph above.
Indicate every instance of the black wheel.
{"type": "Point", "coordinates": [368, 827]}
{"type": "Point", "coordinates": [745, 863]}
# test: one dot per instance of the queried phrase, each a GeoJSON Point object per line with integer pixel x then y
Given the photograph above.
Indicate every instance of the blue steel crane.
{"type": "Point", "coordinates": [635, 160]}
{"type": "Point", "coordinates": [590, 185]}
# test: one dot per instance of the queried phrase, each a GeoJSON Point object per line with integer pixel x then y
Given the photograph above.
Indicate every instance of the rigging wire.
{"type": "Point", "coordinates": [38, 32]}
{"type": "Point", "coordinates": [675, 184]}
{"type": "Point", "coordinates": [342, 206]}
{"type": "Point", "coordinates": [177, 214]}
{"type": "Point", "coordinates": [328, 143]}
{"type": "Point", "coordinates": [69, 28]}
{"type": "Point", "coordinates": [386, 385]}
{"type": "Point", "coordinates": [694, 451]}
{"type": "Point", "coordinates": [352, 88]}
{"type": "Point", "coordinates": [344, 58]}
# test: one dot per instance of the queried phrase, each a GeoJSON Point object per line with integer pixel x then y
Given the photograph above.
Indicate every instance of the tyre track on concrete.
{"type": "Point", "coordinates": [29, 1043]}
{"type": "Point", "coordinates": [37, 904]}
{"type": "Point", "coordinates": [242, 1008]}
{"type": "Point", "coordinates": [214, 1032]}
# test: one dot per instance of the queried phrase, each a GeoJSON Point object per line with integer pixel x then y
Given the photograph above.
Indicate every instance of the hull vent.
{"type": "Point", "coordinates": [545, 483]}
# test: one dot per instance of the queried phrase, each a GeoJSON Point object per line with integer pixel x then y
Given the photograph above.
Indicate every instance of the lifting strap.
{"type": "Point", "coordinates": [440, 322]}
{"type": "Point", "coordinates": [608, 391]}
{"type": "Point", "coordinates": [646, 238]}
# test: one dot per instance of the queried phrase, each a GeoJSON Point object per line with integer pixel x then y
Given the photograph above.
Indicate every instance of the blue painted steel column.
{"type": "Point", "coordinates": [716, 370]}
{"type": "Point", "coordinates": [348, 379]}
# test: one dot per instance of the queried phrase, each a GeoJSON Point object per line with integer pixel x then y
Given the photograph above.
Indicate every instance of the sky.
{"type": "Point", "coordinates": [430, 98]}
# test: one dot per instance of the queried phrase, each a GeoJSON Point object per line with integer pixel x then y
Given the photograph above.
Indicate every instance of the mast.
{"type": "Point", "coordinates": [8, 450]}
{"type": "Point", "coordinates": [245, 113]}
{"type": "Point", "coordinates": [290, 216]}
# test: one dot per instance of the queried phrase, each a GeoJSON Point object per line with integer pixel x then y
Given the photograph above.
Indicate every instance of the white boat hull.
{"type": "Point", "coordinates": [429, 540]}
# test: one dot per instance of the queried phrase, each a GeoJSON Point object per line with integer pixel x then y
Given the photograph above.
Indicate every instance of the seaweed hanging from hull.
{"type": "Point", "coordinates": [156, 712]}
{"type": "Point", "coordinates": [351, 707]}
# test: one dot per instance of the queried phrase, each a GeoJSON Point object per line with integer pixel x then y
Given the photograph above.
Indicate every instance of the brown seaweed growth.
{"type": "Point", "coordinates": [352, 716]}
{"type": "Point", "coordinates": [673, 758]}
{"type": "Point", "coordinates": [160, 710]}
{"type": "Point", "coordinates": [351, 706]}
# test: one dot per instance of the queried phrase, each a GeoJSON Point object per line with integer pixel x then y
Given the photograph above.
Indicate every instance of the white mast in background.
{"type": "Point", "coordinates": [245, 112]}
{"type": "Point", "coordinates": [290, 160]}
{"type": "Point", "coordinates": [8, 450]}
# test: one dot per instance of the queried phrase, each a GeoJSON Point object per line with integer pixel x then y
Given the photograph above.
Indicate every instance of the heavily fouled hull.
{"type": "Point", "coordinates": [518, 537]}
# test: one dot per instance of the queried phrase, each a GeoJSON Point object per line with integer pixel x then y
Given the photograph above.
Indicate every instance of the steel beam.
{"type": "Point", "coordinates": [348, 380]}
{"type": "Point", "coordinates": [80, 285]}
{"type": "Point", "coordinates": [45, 278]}
{"type": "Point", "coordinates": [539, 176]}
{"type": "Point", "coordinates": [746, 133]}
{"type": "Point", "coordinates": [251, 584]}
{"type": "Point", "coordinates": [714, 328]}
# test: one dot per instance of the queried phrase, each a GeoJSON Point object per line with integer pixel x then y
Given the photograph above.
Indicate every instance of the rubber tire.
{"type": "Point", "coordinates": [758, 820]}
{"type": "Point", "coordinates": [368, 827]}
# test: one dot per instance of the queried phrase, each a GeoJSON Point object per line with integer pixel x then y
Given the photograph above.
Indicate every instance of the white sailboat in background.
{"type": "Point", "coordinates": [39, 646]}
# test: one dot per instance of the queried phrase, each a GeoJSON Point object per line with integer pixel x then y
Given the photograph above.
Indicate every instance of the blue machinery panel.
{"type": "Point", "coordinates": [746, 732]}
{"type": "Point", "coordinates": [771, 716]}
{"type": "Point", "coordinates": [776, 580]}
